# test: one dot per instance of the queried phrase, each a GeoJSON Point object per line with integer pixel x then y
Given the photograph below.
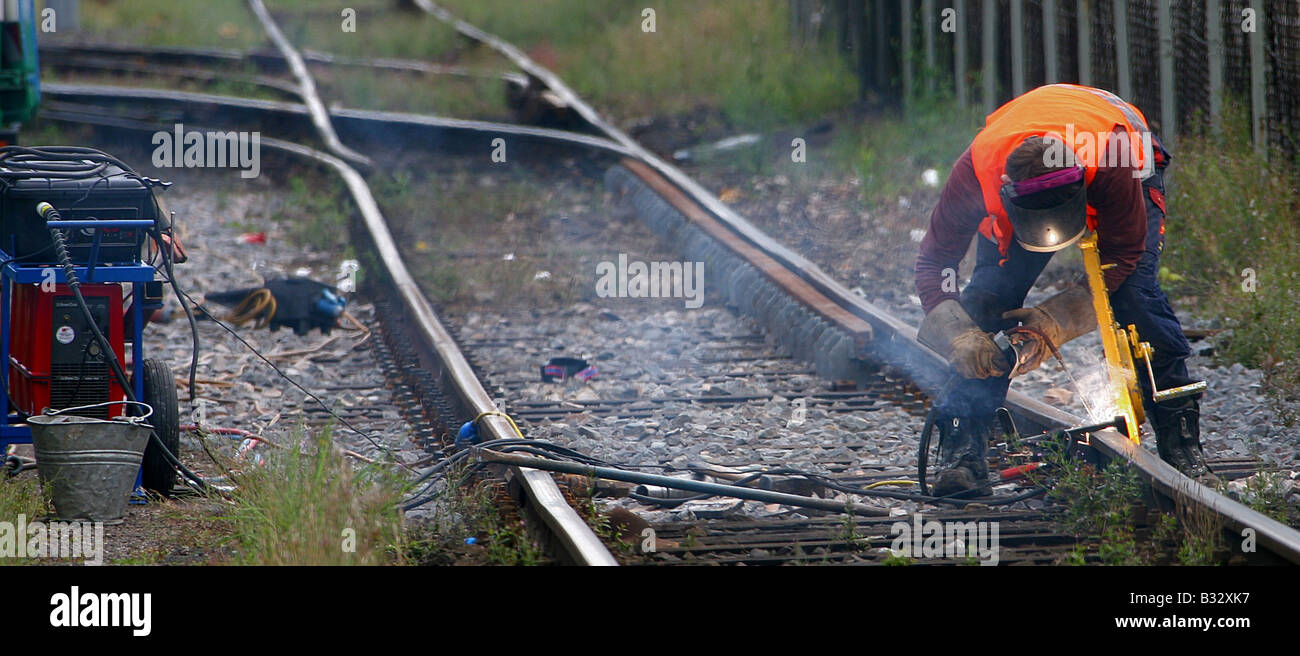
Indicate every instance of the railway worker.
{"type": "Point", "coordinates": [1047, 166]}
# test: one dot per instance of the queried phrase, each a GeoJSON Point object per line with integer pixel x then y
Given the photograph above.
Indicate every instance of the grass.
{"type": "Point", "coordinates": [220, 23]}
{"type": "Point", "coordinates": [1202, 534]}
{"type": "Point", "coordinates": [317, 211]}
{"type": "Point", "coordinates": [21, 495]}
{"type": "Point", "coordinates": [890, 152]}
{"type": "Point", "coordinates": [1266, 493]}
{"type": "Point", "coordinates": [1102, 502]}
{"type": "Point", "coordinates": [1099, 502]}
{"type": "Point", "coordinates": [379, 30]}
{"type": "Point", "coordinates": [728, 54]}
{"type": "Point", "coordinates": [1230, 240]}
{"type": "Point", "coordinates": [242, 88]}
{"type": "Point", "coordinates": [316, 508]}
{"type": "Point", "coordinates": [462, 97]}
{"type": "Point", "coordinates": [470, 528]}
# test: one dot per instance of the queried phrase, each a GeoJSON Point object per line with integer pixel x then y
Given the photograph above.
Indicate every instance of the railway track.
{"type": "Point", "coordinates": [806, 313]}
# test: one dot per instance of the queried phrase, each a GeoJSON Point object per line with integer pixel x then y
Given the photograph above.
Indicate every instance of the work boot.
{"type": "Point", "coordinates": [1178, 438]}
{"type": "Point", "coordinates": [964, 468]}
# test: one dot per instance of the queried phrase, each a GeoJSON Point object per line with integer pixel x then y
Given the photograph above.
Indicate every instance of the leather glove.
{"type": "Point", "coordinates": [974, 355]}
{"type": "Point", "coordinates": [1030, 349]}
{"type": "Point", "coordinates": [1060, 319]}
{"type": "Point", "coordinates": [950, 331]}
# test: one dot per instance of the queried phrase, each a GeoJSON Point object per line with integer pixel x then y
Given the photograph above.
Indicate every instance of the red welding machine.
{"type": "Point", "coordinates": [56, 362]}
{"type": "Point", "coordinates": [78, 214]}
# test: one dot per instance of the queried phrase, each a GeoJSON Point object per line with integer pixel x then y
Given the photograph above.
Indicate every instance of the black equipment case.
{"type": "Point", "coordinates": [117, 194]}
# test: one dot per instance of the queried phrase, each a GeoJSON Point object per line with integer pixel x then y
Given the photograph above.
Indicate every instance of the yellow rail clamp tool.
{"type": "Point", "coordinates": [1122, 347]}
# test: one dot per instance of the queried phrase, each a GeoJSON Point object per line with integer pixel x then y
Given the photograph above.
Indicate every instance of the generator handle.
{"type": "Point", "coordinates": [133, 419]}
{"type": "Point", "coordinates": [104, 223]}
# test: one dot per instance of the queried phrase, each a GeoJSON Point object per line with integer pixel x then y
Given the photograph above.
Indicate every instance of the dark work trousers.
{"type": "Point", "coordinates": [1139, 301]}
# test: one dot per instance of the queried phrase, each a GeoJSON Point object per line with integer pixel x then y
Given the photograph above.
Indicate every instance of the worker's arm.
{"type": "Point", "coordinates": [1116, 193]}
{"type": "Point", "coordinates": [947, 328]}
{"type": "Point", "coordinates": [954, 220]}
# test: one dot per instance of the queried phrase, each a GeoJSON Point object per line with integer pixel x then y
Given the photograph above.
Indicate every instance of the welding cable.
{"type": "Point", "coordinates": [18, 464]}
{"type": "Point", "coordinates": [469, 472]}
{"type": "Point", "coordinates": [259, 307]}
{"type": "Point", "coordinates": [48, 213]}
{"type": "Point", "coordinates": [952, 499]}
{"type": "Point", "coordinates": [674, 502]}
{"type": "Point", "coordinates": [498, 413]}
{"type": "Point", "coordinates": [330, 411]}
{"type": "Point", "coordinates": [430, 477]}
{"type": "Point", "coordinates": [233, 432]}
{"type": "Point", "coordinates": [169, 266]}
{"type": "Point", "coordinates": [540, 448]}
{"type": "Point", "coordinates": [459, 456]}
{"type": "Point", "coordinates": [899, 481]}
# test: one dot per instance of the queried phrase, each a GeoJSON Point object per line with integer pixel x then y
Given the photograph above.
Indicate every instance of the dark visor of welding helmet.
{"type": "Point", "coordinates": [1040, 223]}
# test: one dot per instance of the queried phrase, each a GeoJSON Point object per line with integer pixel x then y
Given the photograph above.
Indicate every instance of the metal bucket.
{"type": "Point", "coordinates": [88, 466]}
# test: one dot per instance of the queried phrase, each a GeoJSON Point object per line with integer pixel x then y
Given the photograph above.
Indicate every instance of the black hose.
{"type": "Point", "coordinates": [674, 502]}
{"type": "Point", "coordinates": [48, 213]}
{"type": "Point", "coordinates": [168, 265]}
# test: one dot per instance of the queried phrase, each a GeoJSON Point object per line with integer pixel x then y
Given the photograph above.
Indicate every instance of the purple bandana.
{"type": "Point", "coordinates": [1048, 181]}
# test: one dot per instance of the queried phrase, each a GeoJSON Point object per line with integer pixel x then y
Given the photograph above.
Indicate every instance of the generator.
{"type": "Point", "coordinates": [69, 210]}
{"type": "Point", "coordinates": [58, 363]}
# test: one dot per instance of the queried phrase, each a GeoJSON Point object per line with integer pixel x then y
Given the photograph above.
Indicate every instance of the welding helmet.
{"type": "Point", "coordinates": [1048, 212]}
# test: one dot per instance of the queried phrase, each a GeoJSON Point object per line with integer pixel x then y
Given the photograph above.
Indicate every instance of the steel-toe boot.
{"type": "Point", "coordinates": [964, 467]}
{"type": "Point", "coordinates": [1178, 438]}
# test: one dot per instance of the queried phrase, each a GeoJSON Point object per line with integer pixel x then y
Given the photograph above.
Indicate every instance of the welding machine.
{"type": "Point", "coordinates": [74, 225]}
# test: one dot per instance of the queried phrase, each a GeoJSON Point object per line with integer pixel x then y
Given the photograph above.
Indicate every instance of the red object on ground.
{"type": "Point", "coordinates": [1017, 472]}
{"type": "Point", "coordinates": [253, 238]}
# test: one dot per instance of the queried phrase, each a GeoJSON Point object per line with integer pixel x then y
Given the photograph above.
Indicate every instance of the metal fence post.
{"type": "Point", "coordinates": [878, 14]}
{"type": "Point", "coordinates": [1168, 97]}
{"type": "Point", "coordinates": [1049, 43]}
{"type": "Point", "coordinates": [927, 27]}
{"type": "Point", "coordinates": [1017, 47]}
{"type": "Point", "coordinates": [857, 33]}
{"type": "Point", "coordinates": [959, 51]}
{"type": "Point", "coordinates": [989, 54]}
{"type": "Point", "coordinates": [1122, 69]}
{"type": "Point", "coordinates": [905, 23]}
{"type": "Point", "coordinates": [1257, 89]}
{"type": "Point", "coordinates": [1085, 41]}
{"type": "Point", "coordinates": [1214, 32]}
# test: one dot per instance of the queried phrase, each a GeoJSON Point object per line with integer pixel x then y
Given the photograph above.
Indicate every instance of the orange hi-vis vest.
{"type": "Point", "coordinates": [1079, 116]}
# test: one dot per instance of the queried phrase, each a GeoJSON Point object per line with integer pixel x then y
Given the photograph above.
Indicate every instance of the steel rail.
{"type": "Point", "coordinates": [444, 357]}
{"type": "Point", "coordinates": [436, 347]}
{"type": "Point", "coordinates": [320, 117]}
{"type": "Point", "coordinates": [355, 123]}
{"type": "Point", "coordinates": [60, 54]}
{"type": "Point", "coordinates": [800, 265]}
{"type": "Point", "coordinates": [541, 494]}
{"type": "Point", "coordinates": [893, 340]}
{"type": "Point", "coordinates": [89, 64]}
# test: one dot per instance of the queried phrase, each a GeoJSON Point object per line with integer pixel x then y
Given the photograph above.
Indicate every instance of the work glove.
{"type": "Point", "coordinates": [1059, 319]}
{"type": "Point", "coordinates": [949, 330]}
{"type": "Point", "coordinates": [1030, 349]}
{"type": "Point", "coordinates": [974, 355]}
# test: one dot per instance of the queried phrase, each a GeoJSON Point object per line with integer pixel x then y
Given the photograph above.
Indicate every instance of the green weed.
{"type": "Point", "coordinates": [316, 508]}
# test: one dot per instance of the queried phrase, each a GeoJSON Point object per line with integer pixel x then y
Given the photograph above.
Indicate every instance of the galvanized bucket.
{"type": "Point", "coordinates": [88, 466]}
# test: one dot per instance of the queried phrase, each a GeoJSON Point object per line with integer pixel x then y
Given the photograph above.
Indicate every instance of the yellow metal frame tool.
{"type": "Point", "coordinates": [1118, 344]}
{"type": "Point", "coordinates": [1123, 347]}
